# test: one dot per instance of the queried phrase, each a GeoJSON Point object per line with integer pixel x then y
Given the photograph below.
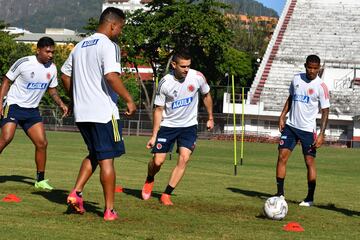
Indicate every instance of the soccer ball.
{"type": "Point", "coordinates": [276, 208]}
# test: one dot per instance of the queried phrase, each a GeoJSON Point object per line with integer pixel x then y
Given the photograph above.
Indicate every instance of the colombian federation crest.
{"type": "Point", "coordinates": [191, 88]}
{"type": "Point", "coordinates": [310, 91]}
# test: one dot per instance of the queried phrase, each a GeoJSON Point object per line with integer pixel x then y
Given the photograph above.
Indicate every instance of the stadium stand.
{"type": "Point", "coordinates": [329, 29]}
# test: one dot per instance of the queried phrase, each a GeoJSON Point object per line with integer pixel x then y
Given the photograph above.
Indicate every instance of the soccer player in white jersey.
{"type": "Point", "coordinates": [175, 119]}
{"type": "Point", "coordinates": [91, 76]}
{"type": "Point", "coordinates": [307, 93]}
{"type": "Point", "coordinates": [30, 76]}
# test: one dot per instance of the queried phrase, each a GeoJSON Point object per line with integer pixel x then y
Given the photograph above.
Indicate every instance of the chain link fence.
{"type": "Point", "coordinates": [256, 128]}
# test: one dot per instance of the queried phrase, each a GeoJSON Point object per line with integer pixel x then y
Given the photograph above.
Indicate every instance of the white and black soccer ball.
{"type": "Point", "coordinates": [276, 208]}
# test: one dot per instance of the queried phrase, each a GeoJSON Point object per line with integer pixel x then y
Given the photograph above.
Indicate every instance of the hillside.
{"type": "Point", "coordinates": [36, 15]}
{"type": "Point", "coordinates": [250, 7]}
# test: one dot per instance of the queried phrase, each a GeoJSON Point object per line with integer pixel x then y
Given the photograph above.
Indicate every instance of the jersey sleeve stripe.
{"type": "Point", "coordinates": [117, 52]}
{"type": "Point", "coordinates": [201, 75]}
{"type": "Point", "coordinates": [160, 85]}
{"type": "Point", "coordinates": [326, 90]}
{"type": "Point", "coordinates": [18, 63]}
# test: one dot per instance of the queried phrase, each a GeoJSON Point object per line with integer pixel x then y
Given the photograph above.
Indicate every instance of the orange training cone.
{"type": "Point", "coordinates": [293, 227]}
{"type": "Point", "coordinates": [11, 198]}
{"type": "Point", "coordinates": [119, 189]}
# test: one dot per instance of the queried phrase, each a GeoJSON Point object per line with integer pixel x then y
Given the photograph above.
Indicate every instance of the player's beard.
{"type": "Point", "coordinates": [115, 39]}
{"type": "Point", "coordinates": [181, 76]}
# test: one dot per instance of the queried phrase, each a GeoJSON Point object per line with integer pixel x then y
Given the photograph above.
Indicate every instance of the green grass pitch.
{"type": "Point", "coordinates": [210, 202]}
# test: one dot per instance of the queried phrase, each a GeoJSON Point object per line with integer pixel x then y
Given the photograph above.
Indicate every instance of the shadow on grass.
{"type": "Point", "coordinates": [260, 195]}
{"type": "Point", "coordinates": [344, 211]}
{"type": "Point", "coordinates": [17, 178]}
{"type": "Point", "coordinates": [59, 196]}
{"type": "Point", "coordinates": [137, 193]}
{"type": "Point", "coordinates": [249, 193]}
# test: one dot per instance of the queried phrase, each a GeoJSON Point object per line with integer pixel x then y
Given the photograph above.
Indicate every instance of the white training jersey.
{"type": "Point", "coordinates": [30, 81]}
{"type": "Point", "coordinates": [306, 97]}
{"type": "Point", "coordinates": [88, 63]}
{"type": "Point", "coordinates": [180, 99]}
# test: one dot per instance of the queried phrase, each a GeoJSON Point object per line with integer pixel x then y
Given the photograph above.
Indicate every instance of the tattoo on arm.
{"type": "Point", "coordinates": [324, 120]}
{"type": "Point", "coordinates": [55, 96]}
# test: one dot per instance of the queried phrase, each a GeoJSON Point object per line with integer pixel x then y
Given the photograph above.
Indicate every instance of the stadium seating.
{"type": "Point", "coordinates": [329, 29]}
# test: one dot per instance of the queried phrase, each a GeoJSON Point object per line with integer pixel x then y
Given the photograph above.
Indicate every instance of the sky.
{"type": "Point", "coordinates": [277, 5]}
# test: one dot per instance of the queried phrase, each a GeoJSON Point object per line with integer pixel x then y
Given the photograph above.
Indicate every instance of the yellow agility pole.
{"type": "Point", "coordinates": [242, 126]}
{"type": "Point", "coordinates": [156, 82]}
{"type": "Point", "coordinates": [234, 119]}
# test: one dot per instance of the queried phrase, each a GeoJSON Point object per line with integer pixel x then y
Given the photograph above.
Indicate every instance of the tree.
{"type": "Point", "coordinates": [91, 26]}
{"type": "Point", "coordinates": [173, 25]}
{"type": "Point", "coordinates": [3, 24]}
{"type": "Point", "coordinates": [252, 37]}
{"type": "Point", "coordinates": [11, 51]}
{"type": "Point", "coordinates": [150, 37]}
{"type": "Point", "coordinates": [238, 64]}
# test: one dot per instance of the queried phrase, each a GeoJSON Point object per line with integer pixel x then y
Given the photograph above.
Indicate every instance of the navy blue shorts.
{"type": "Point", "coordinates": [103, 140]}
{"type": "Point", "coordinates": [290, 136]}
{"type": "Point", "coordinates": [166, 137]}
{"type": "Point", "coordinates": [25, 117]}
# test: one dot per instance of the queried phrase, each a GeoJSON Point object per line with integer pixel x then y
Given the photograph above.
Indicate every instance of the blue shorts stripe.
{"type": "Point", "coordinates": [99, 138]}
{"type": "Point", "coordinates": [6, 111]}
{"type": "Point", "coordinates": [116, 130]}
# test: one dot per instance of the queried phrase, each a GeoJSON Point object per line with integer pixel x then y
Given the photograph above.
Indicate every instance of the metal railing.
{"type": "Point", "coordinates": [256, 128]}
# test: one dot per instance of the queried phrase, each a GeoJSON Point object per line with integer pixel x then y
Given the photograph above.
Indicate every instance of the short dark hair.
{"type": "Point", "coordinates": [111, 14]}
{"type": "Point", "coordinates": [45, 42]}
{"type": "Point", "coordinates": [313, 59]}
{"type": "Point", "coordinates": [181, 54]}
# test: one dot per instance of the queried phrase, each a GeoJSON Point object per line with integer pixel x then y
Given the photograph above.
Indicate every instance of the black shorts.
{"type": "Point", "coordinates": [25, 117]}
{"type": "Point", "coordinates": [103, 140]}
{"type": "Point", "coordinates": [165, 139]}
{"type": "Point", "coordinates": [290, 136]}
